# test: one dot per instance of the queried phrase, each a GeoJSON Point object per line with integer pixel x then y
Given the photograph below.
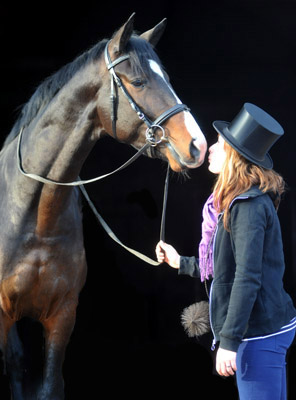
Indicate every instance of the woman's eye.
{"type": "Point", "coordinates": [138, 83]}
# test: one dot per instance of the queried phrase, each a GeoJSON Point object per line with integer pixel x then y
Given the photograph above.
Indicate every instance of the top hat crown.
{"type": "Point", "coordinates": [252, 133]}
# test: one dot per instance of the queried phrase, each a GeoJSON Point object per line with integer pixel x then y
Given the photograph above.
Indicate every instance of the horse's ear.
{"type": "Point", "coordinates": [154, 34]}
{"type": "Point", "coordinates": [122, 36]}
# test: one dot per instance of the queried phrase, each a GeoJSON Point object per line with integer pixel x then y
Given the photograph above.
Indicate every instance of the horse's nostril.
{"type": "Point", "coordinates": [194, 151]}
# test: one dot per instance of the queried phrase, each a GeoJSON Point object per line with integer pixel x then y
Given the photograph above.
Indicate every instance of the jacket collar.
{"type": "Point", "coordinates": [254, 191]}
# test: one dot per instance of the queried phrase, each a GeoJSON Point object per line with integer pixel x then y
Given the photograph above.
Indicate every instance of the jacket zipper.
{"type": "Point", "coordinates": [211, 289]}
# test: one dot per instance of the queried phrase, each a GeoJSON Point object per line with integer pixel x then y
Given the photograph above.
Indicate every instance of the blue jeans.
{"type": "Point", "coordinates": [261, 367]}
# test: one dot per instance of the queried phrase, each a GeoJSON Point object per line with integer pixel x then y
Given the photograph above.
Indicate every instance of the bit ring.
{"type": "Point", "coordinates": [150, 137]}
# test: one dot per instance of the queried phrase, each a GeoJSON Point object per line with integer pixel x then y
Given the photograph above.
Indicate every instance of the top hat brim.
{"type": "Point", "coordinates": [222, 128]}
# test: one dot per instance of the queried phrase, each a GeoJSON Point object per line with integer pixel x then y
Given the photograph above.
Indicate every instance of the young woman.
{"type": "Point", "coordinates": [252, 317]}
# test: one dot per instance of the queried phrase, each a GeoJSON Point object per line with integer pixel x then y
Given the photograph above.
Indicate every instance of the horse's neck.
{"type": "Point", "coordinates": [59, 140]}
{"type": "Point", "coordinates": [56, 144]}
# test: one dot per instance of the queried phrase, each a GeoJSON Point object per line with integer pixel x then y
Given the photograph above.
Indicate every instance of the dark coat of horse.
{"type": "Point", "coordinates": [42, 257]}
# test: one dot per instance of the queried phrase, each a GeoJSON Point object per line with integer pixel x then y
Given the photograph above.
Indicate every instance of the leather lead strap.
{"type": "Point", "coordinates": [164, 204]}
{"type": "Point", "coordinates": [109, 231]}
{"type": "Point", "coordinates": [81, 183]}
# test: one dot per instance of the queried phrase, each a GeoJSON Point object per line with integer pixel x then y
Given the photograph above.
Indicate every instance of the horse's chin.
{"type": "Point", "coordinates": [175, 163]}
{"type": "Point", "coordinates": [178, 164]}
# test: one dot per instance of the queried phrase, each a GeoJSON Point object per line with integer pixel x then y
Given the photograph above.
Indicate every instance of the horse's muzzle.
{"type": "Point", "coordinates": [197, 154]}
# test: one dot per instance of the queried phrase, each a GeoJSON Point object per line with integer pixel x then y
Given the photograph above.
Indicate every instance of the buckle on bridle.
{"type": "Point", "coordinates": [150, 135]}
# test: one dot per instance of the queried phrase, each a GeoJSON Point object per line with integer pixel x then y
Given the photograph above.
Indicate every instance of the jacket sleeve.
{"type": "Point", "coordinates": [189, 266]}
{"type": "Point", "coordinates": [248, 223]}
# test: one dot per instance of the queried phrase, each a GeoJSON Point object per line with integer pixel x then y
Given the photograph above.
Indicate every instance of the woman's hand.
{"type": "Point", "coordinates": [225, 362]}
{"type": "Point", "coordinates": [167, 253]}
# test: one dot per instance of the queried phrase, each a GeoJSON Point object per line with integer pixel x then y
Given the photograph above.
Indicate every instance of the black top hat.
{"type": "Point", "coordinates": [252, 133]}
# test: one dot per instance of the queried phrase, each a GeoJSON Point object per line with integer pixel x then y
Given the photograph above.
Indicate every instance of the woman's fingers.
{"type": "Point", "coordinates": [160, 252]}
{"type": "Point", "coordinates": [166, 253]}
{"type": "Point", "coordinates": [226, 362]}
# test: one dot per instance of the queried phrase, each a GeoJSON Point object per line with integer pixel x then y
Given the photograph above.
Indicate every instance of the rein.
{"type": "Point", "coordinates": [151, 140]}
{"type": "Point", "coordinates": [81, 184]}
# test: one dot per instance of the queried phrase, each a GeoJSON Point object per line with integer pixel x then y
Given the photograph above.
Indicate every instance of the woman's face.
{"type": "Point", "coordinates": [217, 156]}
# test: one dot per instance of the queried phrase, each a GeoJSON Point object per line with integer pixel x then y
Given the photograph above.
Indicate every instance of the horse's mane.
{"type": "Point", "coordinates": [140, 52]}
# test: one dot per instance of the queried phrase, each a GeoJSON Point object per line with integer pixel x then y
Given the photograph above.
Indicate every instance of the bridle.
{"type": "Point", "coordinates": [152, 126]}
{"type": "Point", "coordinates": [150, 131]}
{"type": "Point", "coordinates": [151, 140]}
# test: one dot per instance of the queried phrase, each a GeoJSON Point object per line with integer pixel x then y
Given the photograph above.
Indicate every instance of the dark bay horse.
{"type": "Point", "coordinates": [42, 257]}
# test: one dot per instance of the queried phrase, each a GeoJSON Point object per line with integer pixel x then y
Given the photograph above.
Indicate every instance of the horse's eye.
{"type": "Point", "coordinates": [138, 82]}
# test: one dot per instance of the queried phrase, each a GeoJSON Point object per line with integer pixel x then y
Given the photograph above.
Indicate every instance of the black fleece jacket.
{"type": "Point", "coordinates": [247, 297]}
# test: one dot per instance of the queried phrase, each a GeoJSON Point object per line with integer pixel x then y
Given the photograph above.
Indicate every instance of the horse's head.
{"type": "Point", "coordinates": [135, 67]}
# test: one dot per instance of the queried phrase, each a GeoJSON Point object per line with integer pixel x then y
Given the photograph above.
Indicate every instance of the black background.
{"type": "Point", "coordinates": [128, 338]}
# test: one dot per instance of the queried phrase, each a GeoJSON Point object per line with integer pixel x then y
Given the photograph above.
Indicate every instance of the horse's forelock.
{"type": "Point", "coordinates": [141, 52]}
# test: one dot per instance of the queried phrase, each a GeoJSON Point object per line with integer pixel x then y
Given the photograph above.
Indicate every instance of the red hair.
{"type": "Point", "coordinates": [237, 176]}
